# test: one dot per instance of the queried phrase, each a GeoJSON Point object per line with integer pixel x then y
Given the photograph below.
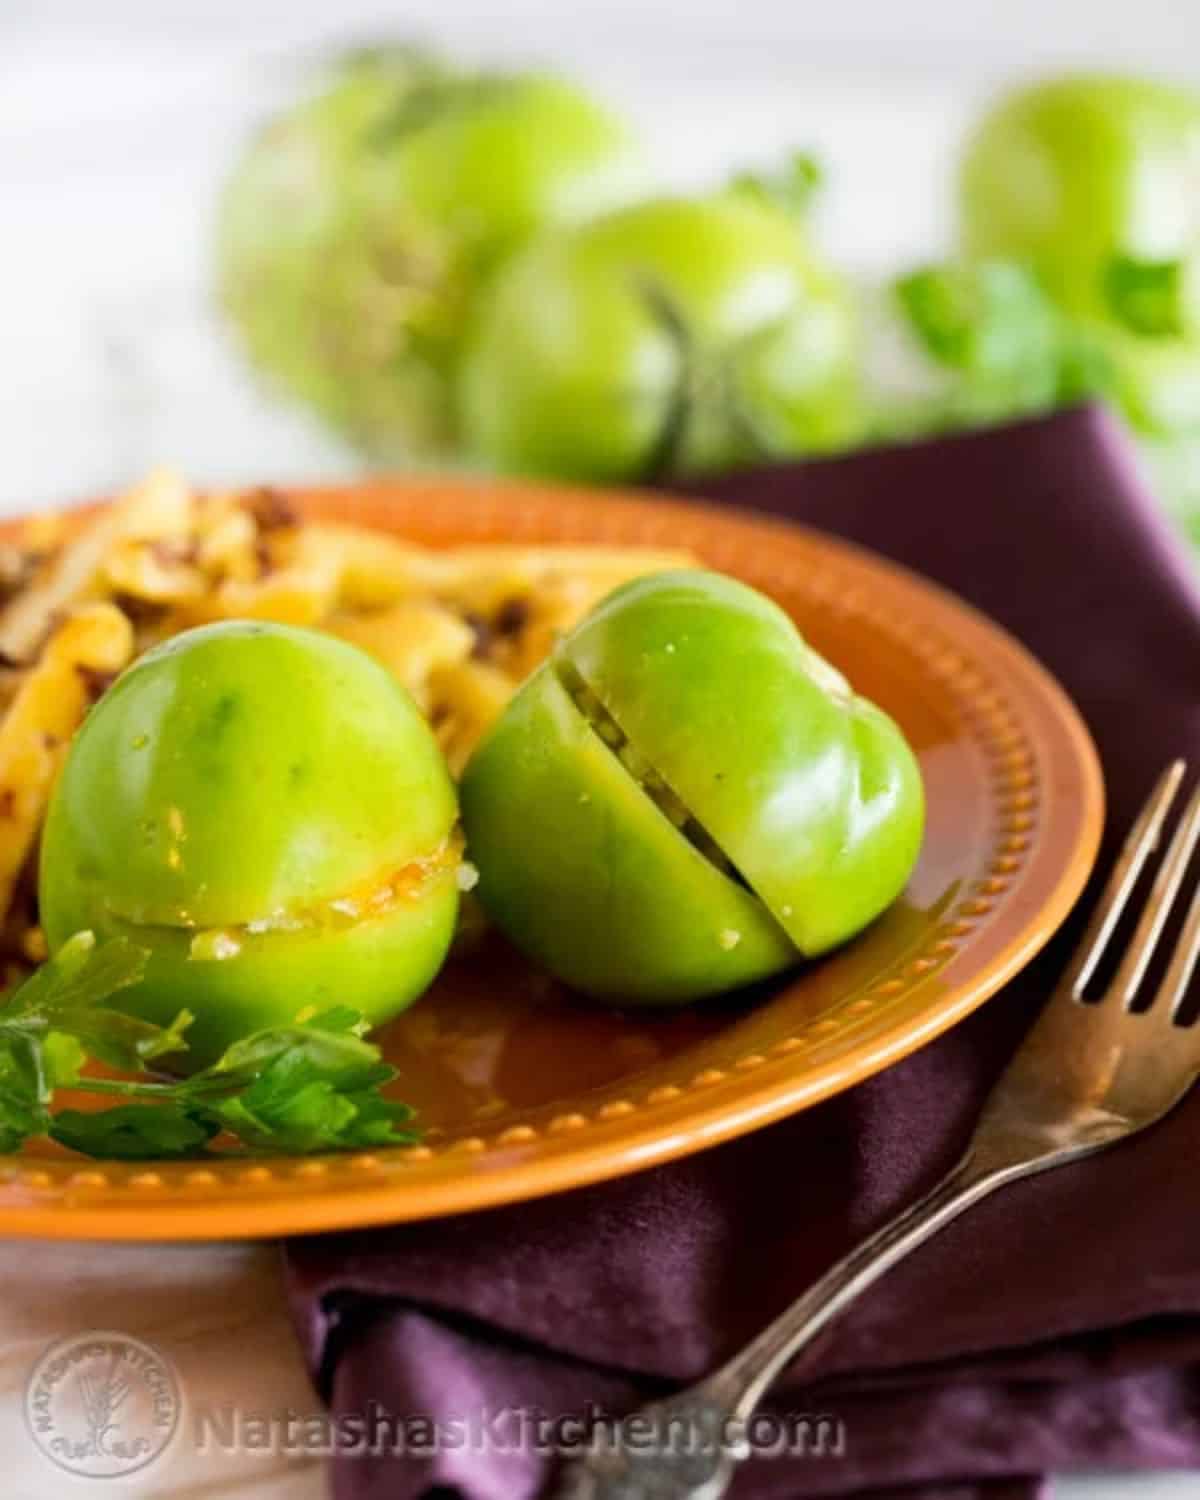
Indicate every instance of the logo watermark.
{"type": "Point", "coordinates": [102, 1405]}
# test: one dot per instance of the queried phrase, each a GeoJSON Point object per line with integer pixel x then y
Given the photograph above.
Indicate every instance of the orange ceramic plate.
{"type": "Point", "coordinates": [523, 1091]}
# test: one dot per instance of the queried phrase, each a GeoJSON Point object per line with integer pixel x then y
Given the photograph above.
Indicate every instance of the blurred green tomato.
{"type": "Point", "coordinates": [672, 337]}
{"type": "Point", "coordinates": [1095, 181]}
{"type": "Point", "coordinates": [1156, 381]}
{"type": "Point", "coordinates": [357, 226]}
{"type": "Point", "coordinates": [686, 798]}
{"type": "Point", "coordinates": [265, 810]}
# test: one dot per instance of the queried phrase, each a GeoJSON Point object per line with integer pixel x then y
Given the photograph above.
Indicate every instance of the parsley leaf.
{"type": "Point", "coordinates": [310, 1086]}
{"type": "Point", "coordinates": [79, 975]}
{"type": "Point", "coordinates": [134, 1132]}
{"type": "Point", "coordinates": [68, 994]}
{"type": "Point", "coordinates": [307, 1087]}
{"type": "Point", "coordinates": [24, 1092]}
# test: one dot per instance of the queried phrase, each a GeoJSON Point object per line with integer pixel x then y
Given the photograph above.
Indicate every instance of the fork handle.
{"type": "Point", "coordinates": [744, 1379]}
{"type": "Point", "coordinates": [704, 1425]}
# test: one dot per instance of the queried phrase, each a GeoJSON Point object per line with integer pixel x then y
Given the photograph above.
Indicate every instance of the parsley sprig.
{"type": "Point", "coordinates": [310, 1086]}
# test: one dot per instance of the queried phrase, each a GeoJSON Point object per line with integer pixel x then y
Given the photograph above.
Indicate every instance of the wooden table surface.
{"type": "Point", "coordinates": [216, 1311]}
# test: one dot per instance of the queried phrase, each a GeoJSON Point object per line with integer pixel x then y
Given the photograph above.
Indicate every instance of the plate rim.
{"type": "Point", "coordinates": [62, 1199]}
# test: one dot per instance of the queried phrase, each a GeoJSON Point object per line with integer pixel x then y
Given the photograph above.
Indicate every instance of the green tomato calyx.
{"type": "Point", "coordinates": [790, 187]}
{"type": "Point", "coordinates": [706, 406]}
{"type": "Point", "coordinates": [433, 95]}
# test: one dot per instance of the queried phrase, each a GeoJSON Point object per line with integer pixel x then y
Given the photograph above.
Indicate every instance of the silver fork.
{"type": "Point", "coordinates": [1087, 1075]}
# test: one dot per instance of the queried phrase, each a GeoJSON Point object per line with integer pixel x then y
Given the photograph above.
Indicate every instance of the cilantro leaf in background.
{"type": "Point", "coordinates": [792, 187]}
{"type": "Point", "coordinates": [1004, 346]}
{"type": "Point", "coordinates": [1148, 296]}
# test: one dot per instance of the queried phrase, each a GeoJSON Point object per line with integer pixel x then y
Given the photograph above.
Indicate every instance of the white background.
{"type": "Point", "coordinates": [118, 119]}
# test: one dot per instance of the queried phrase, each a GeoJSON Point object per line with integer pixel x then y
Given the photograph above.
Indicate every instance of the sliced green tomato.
{"type": "Point", "coordinates": [687, 797]}
{"type": "Point", "coordinates": [810, 791]}
{"type": "Point", "coordinates": [553, 811]}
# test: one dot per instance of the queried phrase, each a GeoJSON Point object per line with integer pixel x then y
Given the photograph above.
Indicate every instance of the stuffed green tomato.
{"type": "Point", "coordinates": [686, 798]}
{"type": "Point", "coordinates": [265, 811]}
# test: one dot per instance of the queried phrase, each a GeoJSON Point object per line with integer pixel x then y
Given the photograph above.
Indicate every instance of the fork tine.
{"type": "Point", "coordinates": [1175, 981]}
{"type": "Point", "coordinates": [1141, 842]}
{"type": "Point", "coordinates": [1129, 975]}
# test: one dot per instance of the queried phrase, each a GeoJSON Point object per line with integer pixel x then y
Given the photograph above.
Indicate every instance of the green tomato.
{"type": "Point", "coordinates": [265, 810]}
{"type": "Point", "coordinates": [672, 337]}
{"type": "Point", "coordinates": [357, 226]}
{"type": "Point", "coordinates": [1095, 181]}
{"type": "Point", "coordinates": [685, 797]}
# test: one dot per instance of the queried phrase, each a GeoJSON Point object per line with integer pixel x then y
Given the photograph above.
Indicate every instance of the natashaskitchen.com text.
{"type": "Point", "coordinates": [376, 1431]}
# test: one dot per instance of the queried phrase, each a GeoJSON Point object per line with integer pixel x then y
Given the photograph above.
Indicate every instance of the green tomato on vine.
{"type": "Point", "coordinates": [673, 337]}
{"type": "Point", "coordinates": [1093, 183]}
{"type": "Point", "coordinates": [358, 226]}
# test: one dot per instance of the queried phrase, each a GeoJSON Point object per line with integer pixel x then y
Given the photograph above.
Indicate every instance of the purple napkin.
{"type": "Point", "coordinates": [1056, 1326]}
